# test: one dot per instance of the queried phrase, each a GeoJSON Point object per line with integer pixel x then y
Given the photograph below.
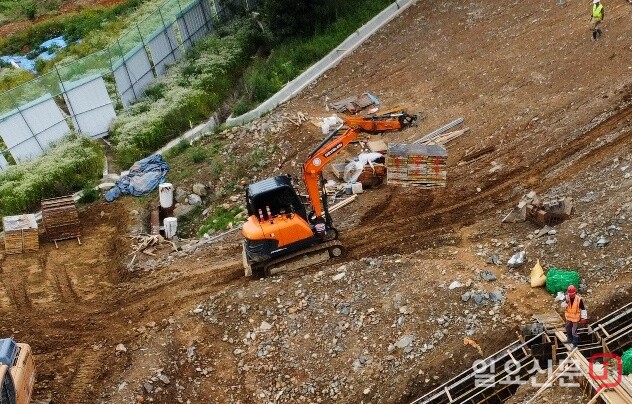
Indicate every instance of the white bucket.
{"type": "Point", "coordinates": [171, 227]}
{"type": "Point", "coordinates": [166, 195]}
{"type": "Point", "coordinates": [356, 187]}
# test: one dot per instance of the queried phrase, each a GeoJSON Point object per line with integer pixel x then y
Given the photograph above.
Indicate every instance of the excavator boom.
{"type": "Point", "coordinates": [333, 144]}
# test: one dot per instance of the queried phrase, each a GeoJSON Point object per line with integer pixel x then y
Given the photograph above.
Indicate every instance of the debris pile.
{"type": "Point", "coordinates": [354, 104]}
{"type": "Point", "coordinates": [541, 211]}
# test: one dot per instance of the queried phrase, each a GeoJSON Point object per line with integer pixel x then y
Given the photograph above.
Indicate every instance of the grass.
{"type": "Point", "coordinates": [268, 74]}
{"type": "Point", "coordinates": [222, 219]}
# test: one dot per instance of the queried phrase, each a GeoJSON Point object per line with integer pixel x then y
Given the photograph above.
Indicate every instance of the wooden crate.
{"type": "Point", "coordinates": [61, 218]}
{"type": "Point", "coordinates": [21, 234]}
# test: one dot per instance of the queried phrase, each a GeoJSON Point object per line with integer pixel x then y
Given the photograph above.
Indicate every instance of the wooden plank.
{"type": "Point", "coordinates": [342, 203]}
{"type": "Point", "coordinates": [377, 146]}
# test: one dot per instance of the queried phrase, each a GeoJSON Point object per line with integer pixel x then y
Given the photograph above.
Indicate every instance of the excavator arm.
{"type": "Point", "coordinates": [332, 145]}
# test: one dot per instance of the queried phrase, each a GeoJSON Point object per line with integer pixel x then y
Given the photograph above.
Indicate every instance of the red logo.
{"type": "Point", "coordinates": [601, 373]}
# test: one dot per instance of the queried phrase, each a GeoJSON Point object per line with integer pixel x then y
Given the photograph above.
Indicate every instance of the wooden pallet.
{"type": "Point", "coordinates": [61, 219]}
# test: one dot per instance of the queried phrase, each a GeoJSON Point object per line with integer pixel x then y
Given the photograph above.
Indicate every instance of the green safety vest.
{"type": "Point", "coordinates": [597, 11]}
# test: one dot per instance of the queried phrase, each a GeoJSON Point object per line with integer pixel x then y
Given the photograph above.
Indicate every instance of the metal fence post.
{"type": "Point", "coordinates": [31, 129]}
{"type": "Point", "coordinates": [152, 66]}
{"type": "Point", "coordinates": [186, 27]}
{"type": "Point", "coordinates": [120, 98]}
{"type": "Point", "coordinates": [129, 76]}
{"type": "Point", "coordinates": [73, 116]}
{"type": "Point", "coordinates": [166, 33]}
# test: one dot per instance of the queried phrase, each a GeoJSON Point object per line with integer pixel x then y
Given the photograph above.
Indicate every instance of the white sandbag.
{"type": "Point", "coordinates": [354, 168]}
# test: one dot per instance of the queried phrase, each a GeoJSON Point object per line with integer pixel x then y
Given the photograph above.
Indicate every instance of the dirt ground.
{"type": "Point", "coordinates": [383, 324]}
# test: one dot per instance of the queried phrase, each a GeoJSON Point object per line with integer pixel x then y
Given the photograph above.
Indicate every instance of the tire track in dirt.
{"type": "Point", "coordinates": [88, 368]}
{"type": "Point", "coordinates": [19, 296]}
{"type": "Point", "coordinates": [184, 289]}
{"type": "Point", "coordinates": [424, 227]}
{"type": "Point", "coordinates": [64, 287]}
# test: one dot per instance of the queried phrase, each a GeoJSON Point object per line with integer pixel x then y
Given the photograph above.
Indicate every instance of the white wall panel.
{"type": "Point", "coordinates": [133, 74]}
{"type": "Point", "coordinates": [164, 49]}
{"type": "Point", "coordinates": [90, 106]}
{"type": "Point", "coordinates": [30, 131]}
{"type": "Point", "coordinates": [3, 163]}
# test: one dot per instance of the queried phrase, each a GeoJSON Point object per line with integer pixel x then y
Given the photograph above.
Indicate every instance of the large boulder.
{"type": "Point", "coordinates": [200, 189]}
{"type": "Point", "coordinates": [183, 210]}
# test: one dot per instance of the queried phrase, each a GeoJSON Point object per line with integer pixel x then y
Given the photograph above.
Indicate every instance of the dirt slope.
{"type": "Point", "coordinates": [526, 78]}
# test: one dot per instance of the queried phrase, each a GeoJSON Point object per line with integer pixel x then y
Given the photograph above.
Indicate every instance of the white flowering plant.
{"type": "Point", "coordinates": [68, 166]}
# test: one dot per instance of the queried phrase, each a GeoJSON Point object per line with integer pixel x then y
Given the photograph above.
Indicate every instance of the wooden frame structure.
{"type": "Point", "coordinates": [61, 219]}
{"type": "Point", "coordinates": [21, 234]}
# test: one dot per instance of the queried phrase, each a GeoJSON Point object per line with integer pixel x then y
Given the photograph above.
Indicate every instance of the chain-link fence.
{"type": "Point", "coordinates": [84, 93]}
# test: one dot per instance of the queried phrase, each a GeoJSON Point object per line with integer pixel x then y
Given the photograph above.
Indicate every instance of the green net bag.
{"type": "Point", "coordinates": [627, 362]}
{"type": "Point", "coordinates": [558, 280]}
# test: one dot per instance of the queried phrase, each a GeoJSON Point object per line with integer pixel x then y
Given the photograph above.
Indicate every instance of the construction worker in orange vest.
{"type": "Point", "coordinates": [595, 19]}
{"type": "Point", "coordinates": [575, 312]}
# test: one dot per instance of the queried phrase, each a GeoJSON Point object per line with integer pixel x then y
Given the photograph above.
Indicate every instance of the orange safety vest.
{"type": "Point", "coordinates": [572, 312]}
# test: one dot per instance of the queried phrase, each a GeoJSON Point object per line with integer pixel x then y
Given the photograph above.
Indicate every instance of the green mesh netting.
{"type": "Point", "coordinates": [627, 362]}
{"type": "Point", "coordinates": [558, 280]}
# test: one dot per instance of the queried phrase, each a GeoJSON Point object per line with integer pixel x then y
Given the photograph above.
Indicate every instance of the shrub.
{"type": "Point", "coordinates": [303, 32]}
{"type": "Point", "coordinates": [89, 195]}
{"type": "Point", "coordinates": [68, 167]}
{"type": "Point", "coordinates": [30, 10]}
{"type": "Point", "coordinates": [198, 155]}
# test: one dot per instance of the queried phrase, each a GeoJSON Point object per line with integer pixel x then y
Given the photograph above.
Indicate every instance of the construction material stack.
{"type": "Point", "coordinates": [417, 165]}
{"type": "Point", "coordinates": [60, 218]}
{"type": "Point", "coordinates": [21, 234]}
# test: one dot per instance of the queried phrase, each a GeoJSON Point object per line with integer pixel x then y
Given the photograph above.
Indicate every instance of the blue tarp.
{"type": "Point", "coordinates": [144, 176]}
{"type": "Point", "coordinates": [47, 51]}
{"type": "Point", "coordinates": [22, 61]}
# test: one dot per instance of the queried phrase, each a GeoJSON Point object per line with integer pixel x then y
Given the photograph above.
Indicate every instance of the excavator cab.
{"type": "Point", "coordinates": [274, 196]}
{"type": "Point", "coordinates": [17, 372]}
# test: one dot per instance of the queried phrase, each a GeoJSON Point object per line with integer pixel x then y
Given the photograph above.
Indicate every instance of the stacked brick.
{"type": "Point", "coordinates": [416, 165]}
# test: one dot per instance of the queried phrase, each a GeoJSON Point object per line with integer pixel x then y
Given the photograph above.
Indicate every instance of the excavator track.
{"type": "Point", "coordinates": [313, 255]}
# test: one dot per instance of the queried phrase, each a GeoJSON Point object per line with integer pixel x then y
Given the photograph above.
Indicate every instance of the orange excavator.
{"type": "Point", "coordinates": [279, 235]}
{"type": "Point", "coordinates": [17, 372]}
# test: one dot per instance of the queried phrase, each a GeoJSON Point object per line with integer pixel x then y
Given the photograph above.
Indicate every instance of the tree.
{"type": "Point", "coordinates": [292, 18]}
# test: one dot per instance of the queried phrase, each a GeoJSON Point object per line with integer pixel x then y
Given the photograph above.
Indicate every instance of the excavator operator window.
{"type": "Point", "coordinates": [7, 395]}
{"type": "Point", "coordinates": [282, 200]}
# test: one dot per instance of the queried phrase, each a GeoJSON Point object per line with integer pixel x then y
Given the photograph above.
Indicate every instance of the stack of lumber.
{"type": "Point", "coordinates": [417, 165]}
{"type": "Point", "coordinates": [20, 234]}
{"type": "Point", "coordinates": [60, 218]}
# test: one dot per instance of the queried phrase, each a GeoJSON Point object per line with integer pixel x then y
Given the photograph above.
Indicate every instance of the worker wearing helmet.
{"type": "Point", "coordinates": [596, 18]}
{"type": "Point", "coordinates": [575, 312]}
